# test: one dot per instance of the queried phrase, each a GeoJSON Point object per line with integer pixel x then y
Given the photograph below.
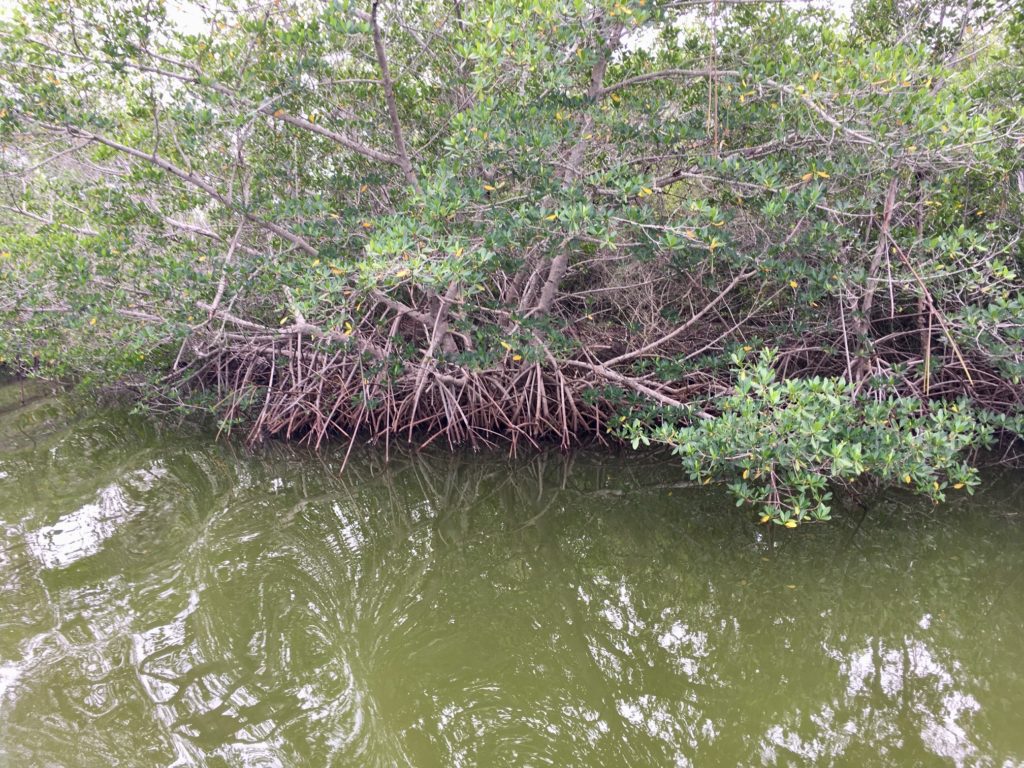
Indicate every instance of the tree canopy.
{"type": "Point", "coordinates": [521, 220]}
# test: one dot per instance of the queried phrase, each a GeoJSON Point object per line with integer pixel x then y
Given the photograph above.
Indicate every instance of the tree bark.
{"type": "Point", "coordinates": [389, 97]}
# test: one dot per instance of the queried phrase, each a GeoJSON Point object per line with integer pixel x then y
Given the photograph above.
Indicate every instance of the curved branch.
{"type": "Point", "coordinates": [607, 373]}
{"type": "Point", "coordinates": [820, 111]}
{"type": "Point", "coordinates": [688, 324]}
{"type": "Point", "coordinates": [199, 78]}
{"type": "Point", "coordinates": [338, 138]}
{"type": "Point", "coordinates": [189, 178]}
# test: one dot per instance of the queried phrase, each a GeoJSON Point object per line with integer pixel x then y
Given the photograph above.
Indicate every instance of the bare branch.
{"type": "Point", "coordinates": [188, 178]}
{"type": "Point", "coordinates": [682, 328]}
{"type": "Point", "coordinates": [389, 97]}
{"type": "Point", "coordinates": [820, 111]}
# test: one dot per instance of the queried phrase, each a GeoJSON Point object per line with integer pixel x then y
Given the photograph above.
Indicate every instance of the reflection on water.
{"type": "Point", "coordinates": [166, 600]}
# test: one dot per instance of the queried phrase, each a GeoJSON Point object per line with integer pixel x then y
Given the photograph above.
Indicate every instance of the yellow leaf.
{"type": "Point", "coordinates": [517, 358]}
{"type": "Point", "coordinates": [746, 473]}
{"type": "Point", "coordinates": [402, 273]}
{"type": "Point", "coordinates": [912, 148]}
{"type": "Point", "coordinates": [616, 98]}
{"type": "Point", "coordinates": [312, 117]}
{"type": "Point", "coordinates": [336, 271]}
{"type": "Point", "coordinates": [807, 177]}
{"type": "Point", "coordinates": [316, 262]}
{"type": "Point", "coordinates": [489, 188]}
{"type": "Point", "coordinates": [765, 518]}
{"type": "Point", "coordinates": [92, 321]}
{"type": "Point", "coordinates": [958, 486]}
{"type": "Point", "coordinates": [458, 252]}
{"type": "Point", "coordinates": [690, 234]}
{"type": "Point", "coordinates": [552, 217]}
{"type": "Point", "coordinates": [506, 345]}
{"type": "Point", "coordinates": [793, 284]}
{"type": "Point", "coordinates": [747, 347]}
{"type": "Point", "coordinates": [906, 479]}
{"type": "Point", "coordinates": [954, 409]}
{"type": "Point", "coordinates": [5, 254]}
{"type": "Point", "coordinates": [791, 524]}
{"type": "Point", "coordinates": [935, 485]}
{"type": "Point", "coordinates": [348, 328]}
{"type": "Point", "coordinates": [367, 225]}
{"type": "Point", "coordinates": [363, 188]}
{"type": "Point", "coordinates": [278, 113]}
{"type": "Point", "coordinates": [823, 175]}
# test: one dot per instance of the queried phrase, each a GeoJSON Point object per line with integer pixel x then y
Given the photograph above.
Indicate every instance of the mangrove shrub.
{"type": "Point", "coordinates": [526, 220]}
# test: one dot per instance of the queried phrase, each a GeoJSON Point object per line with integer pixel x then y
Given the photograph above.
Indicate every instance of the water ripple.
{"type": "Point", "coordinates": [168, 600]}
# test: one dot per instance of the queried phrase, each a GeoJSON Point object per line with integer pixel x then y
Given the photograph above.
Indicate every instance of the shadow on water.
{"type": "Point", "coordinates": [169, 600]}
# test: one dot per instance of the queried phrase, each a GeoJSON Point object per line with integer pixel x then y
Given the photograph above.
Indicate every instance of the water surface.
{"type": "Point", "coordinates": [171, 600]}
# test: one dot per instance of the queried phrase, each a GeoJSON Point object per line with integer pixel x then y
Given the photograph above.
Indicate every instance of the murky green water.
{"type": "Point", "coordinates": [171, 600]}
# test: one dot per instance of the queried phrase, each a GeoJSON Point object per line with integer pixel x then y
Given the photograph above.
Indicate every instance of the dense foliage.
{"type": "Point", "coordinates": [510, 220]}
{"type": "Point", "coordinates": [784, 441]}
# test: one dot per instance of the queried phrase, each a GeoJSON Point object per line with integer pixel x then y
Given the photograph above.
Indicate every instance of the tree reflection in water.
{"type": "Point", "coordinates": [170, 600]}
